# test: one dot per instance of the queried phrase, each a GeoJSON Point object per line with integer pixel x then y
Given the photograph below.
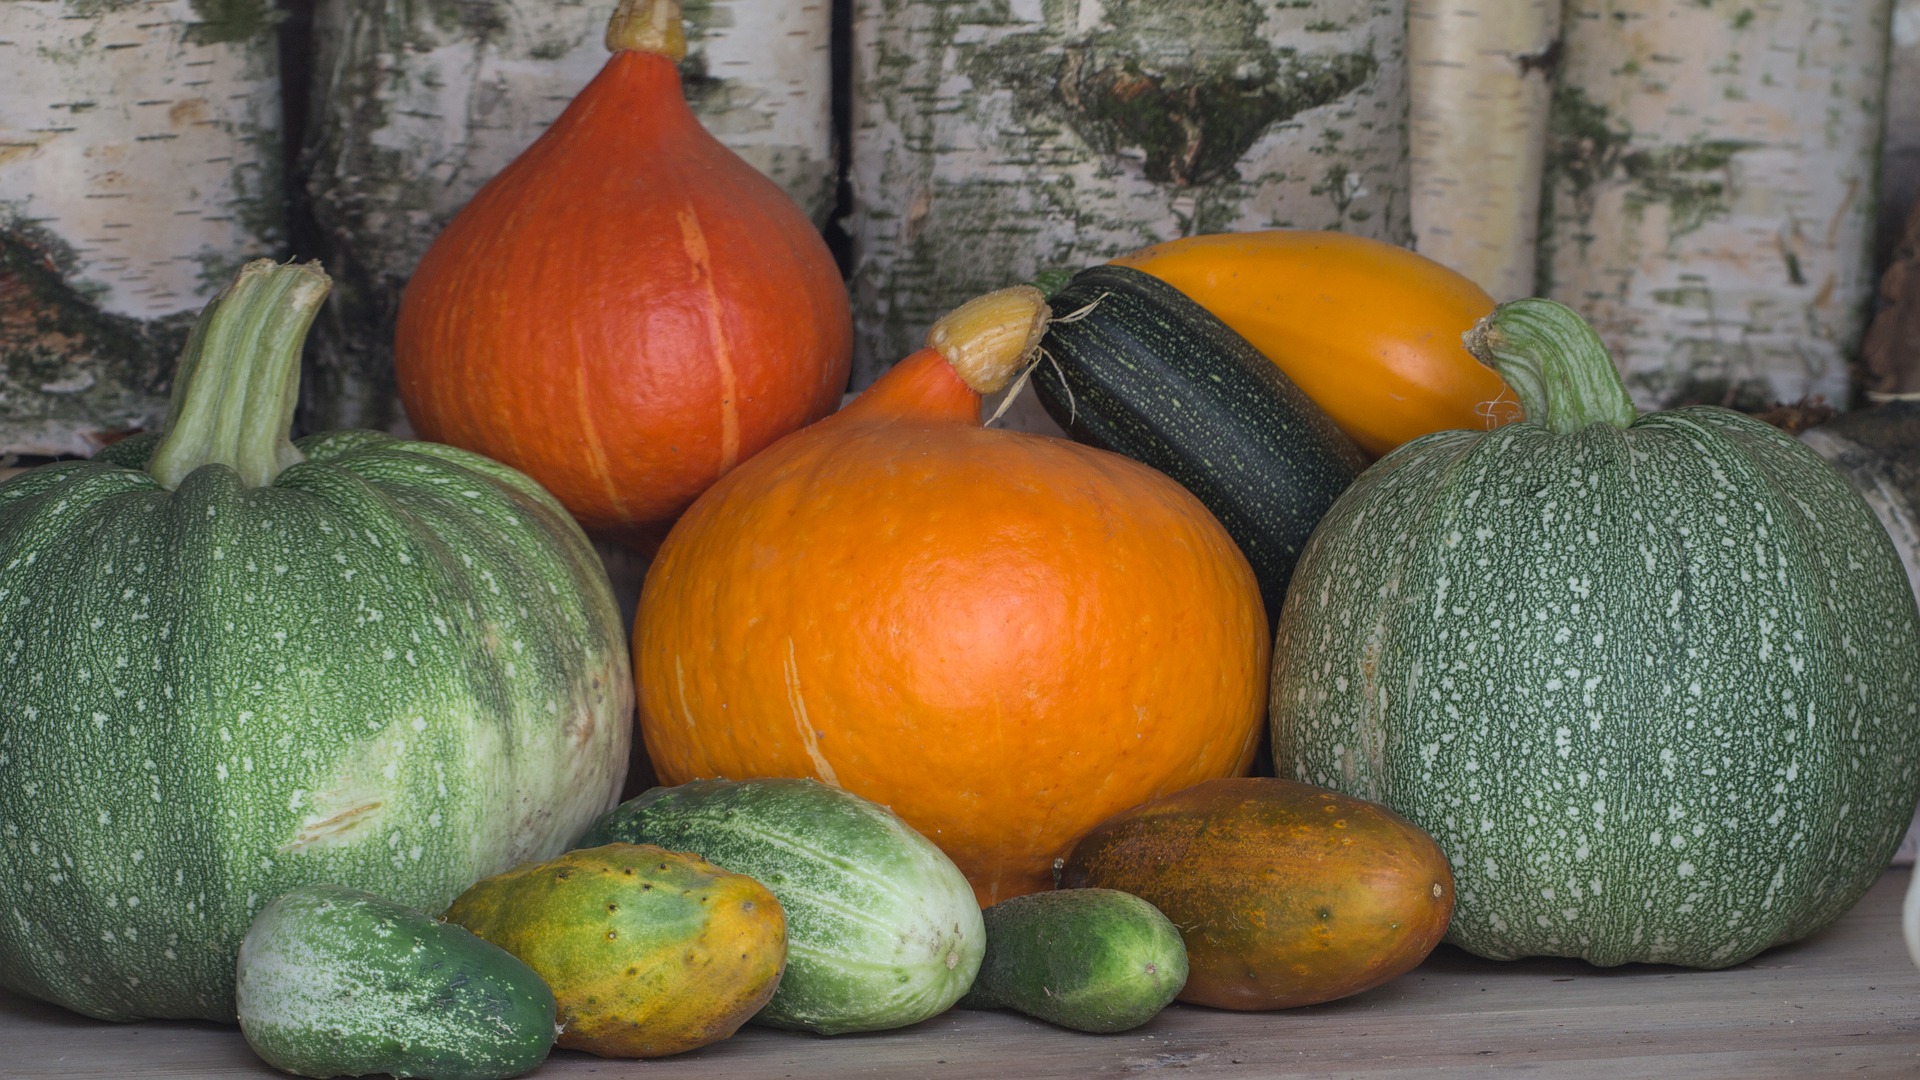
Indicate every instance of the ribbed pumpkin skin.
{"type": "Point", "coordinates": [398, 668]}
{"type": "Point", "coordinates": [625, 312]}
{"type": "Point", "coordinates": [1654, 690]}
{"type": "Point", "coordinates": [1004, 638]}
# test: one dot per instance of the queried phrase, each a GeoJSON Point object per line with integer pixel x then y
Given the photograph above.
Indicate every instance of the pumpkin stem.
{"type": "Point", "coordinates": [1556, 364]}
{"type": "Point", "coordinates": [239, 377]}
{"type": "Point", "coordinates": [648, 26]}
{"type": "Point", "coordinates": [988, 339]}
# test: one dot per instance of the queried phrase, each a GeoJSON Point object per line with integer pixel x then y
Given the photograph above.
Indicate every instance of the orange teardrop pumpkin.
{"type": "Point", "coordinates": [629, 309]}
{"type": "Point", "coordinates": [1004, 637]}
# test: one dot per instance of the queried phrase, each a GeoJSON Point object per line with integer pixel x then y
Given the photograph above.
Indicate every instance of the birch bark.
{"type": "Point", "coordinates": [418, 103]}
{"type": "Point", "coordinates": [1709, 203]}
{"type": "Point", "coordinates": [1480, 79]}
{"type": "Point", "coordinates": [1900, 157]}
{"type": "Point", "coordinates": [139, 167]}
{"type": "Point", "coordinates": [995, 138]}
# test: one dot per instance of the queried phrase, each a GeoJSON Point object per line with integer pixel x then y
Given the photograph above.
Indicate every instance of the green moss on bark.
{"type": "Point", "coordinates": [71, 375]}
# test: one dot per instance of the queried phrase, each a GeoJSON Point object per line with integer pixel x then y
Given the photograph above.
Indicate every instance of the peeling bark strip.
{"type": "Point", "coordinates": [1480, 78]}
{"type": "Point", "coordinates": [1709, 204]}
{"type": "Point", "coordinates": [416, 105]}
{"type": "Point", "coordinates": [1900, 158]}
{"type": "Point", "coordinates": [139, 167]}
{"type": "Point", "coordinates": [993, 139]}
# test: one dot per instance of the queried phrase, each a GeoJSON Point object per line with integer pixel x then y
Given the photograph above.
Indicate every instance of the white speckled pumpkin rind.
{"type": "Point", "coordinates": [398, 667]}
{"type": "Point", "coordinates": [1654, 689]}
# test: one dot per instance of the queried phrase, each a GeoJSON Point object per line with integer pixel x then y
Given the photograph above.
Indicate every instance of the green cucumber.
{"type": "Point", "coordinates": [882, 929]}
{"type": "Point", "coordinates": [1097, 960]}
{"type": "Point", "coordinates": [1130, 364]}
{"type": "Point", "coordinates": [333, 981]}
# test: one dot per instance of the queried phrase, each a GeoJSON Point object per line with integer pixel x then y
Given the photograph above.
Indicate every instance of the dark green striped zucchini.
{"type": "Point", "coordinates": [1132, 365]}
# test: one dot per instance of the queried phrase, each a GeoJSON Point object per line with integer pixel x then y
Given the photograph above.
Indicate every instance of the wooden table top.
{"type": "Point", "coordinates": [1845, 1003]}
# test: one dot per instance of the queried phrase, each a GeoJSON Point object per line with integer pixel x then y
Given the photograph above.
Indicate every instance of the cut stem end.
{"type": "Point", "coordinates": [988, 339]}
{"type": "Point", "coordinates": [648, 26]}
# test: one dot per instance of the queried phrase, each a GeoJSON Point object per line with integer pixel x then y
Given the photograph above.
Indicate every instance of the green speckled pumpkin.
{"type": "Point", "coordinates": [231, 664]}
{"type": "Point", "coordinates": [1652, 682]}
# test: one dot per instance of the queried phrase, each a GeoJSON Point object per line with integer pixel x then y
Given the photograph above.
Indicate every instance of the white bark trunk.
{"type": "Point", "coordinates": [1900, 157]}
{"type": "Point", "coordinates": [1711, 180]}
{"type": "Point", "coordinates": [1480, 81]}
{"type": "Point", "coordinates": [139, 167]}
{"type": "Point", "coordinates": [994, 140]}
{"type": "Point", "coordinates": [418, 104]}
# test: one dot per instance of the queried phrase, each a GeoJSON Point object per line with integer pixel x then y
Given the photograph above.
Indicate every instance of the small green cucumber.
{"type": "Point", "coordinates": [1096, 960]}
{"type": "Point", "coordinates": [337, 982]}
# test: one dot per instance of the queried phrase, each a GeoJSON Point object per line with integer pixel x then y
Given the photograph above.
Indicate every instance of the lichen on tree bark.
{"type": "Point", "coordinates": [139, 168]}
{"type": "Point", "coordinates": [993, 139]}
{"type": "Point", "coordinates": [416, 105]}
{"type": "Point", "coordinates": [1709, 195]}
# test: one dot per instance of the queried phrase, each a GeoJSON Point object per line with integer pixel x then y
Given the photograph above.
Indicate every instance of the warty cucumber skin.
{"type": "Point", "coordinates": [1096, 960]}
{"type": "Point", "coordinates": [337, 982]}
{"type": "Point", "coordinates": [882, 928]}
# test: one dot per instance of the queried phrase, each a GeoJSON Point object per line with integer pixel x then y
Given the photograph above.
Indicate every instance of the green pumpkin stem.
{"type": "Point", "coordinates": [239, 377]}
{"type": "Point", "coordinates": [1555, 364]}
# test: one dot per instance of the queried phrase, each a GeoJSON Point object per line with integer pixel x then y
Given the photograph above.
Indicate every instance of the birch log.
{"type": "Point", "coordinates": [415, 105]}
{"type": "Point", "coordinates": [139, 167]}
{"type": "Point", "coordinates": [1900, 158]}
{"type": "Point", "coordinates": [996, 138]}
{"type": "Point", "coordinates": [1480, 78]}
{"type": "Point", "coordinates": [1710, 202]}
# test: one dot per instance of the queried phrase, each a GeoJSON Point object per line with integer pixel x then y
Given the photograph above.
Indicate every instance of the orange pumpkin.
{"type": "Point", "coordinates": [628, 310]}
{"type": "Point", "coordinates": [1369, 331]}
{"type": "Point", "coordinates": [1004, 637]}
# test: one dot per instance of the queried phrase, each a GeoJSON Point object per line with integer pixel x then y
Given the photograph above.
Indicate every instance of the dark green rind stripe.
{"type": "Point", "coordinates": [1146, 372]}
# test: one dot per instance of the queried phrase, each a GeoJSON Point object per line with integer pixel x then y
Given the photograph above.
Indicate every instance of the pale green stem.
{"type": "Point", "coordinates": [1555, 364]}
{"type": "Point", "coordinates": [239, 377]}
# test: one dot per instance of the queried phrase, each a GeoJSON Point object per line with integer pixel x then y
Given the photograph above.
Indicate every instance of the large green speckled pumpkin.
{"type": "Point", "coordinates": [1652, 682]}
{"type": "Point", "coordinates": [231, 664]}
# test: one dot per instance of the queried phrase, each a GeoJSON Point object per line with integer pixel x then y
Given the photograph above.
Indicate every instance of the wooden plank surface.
{"type": "Point", "coordinates": [1846, 1002]}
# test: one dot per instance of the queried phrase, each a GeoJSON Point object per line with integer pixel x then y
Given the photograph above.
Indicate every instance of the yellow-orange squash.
{"type": "Point", "coordinates": [1285, 894]}
{"type": "Point", "coordinates": [1369, 331]}
{"type": "Point", "coordinates": [1004, 637]}
{"type": "Point", "coordinates": [649, 952]}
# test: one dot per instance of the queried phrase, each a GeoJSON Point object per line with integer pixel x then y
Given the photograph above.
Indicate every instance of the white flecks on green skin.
{"type": "Point", "coordinates": [882, 928]}
{"type": "Point", "coordinates": [335, 981]}
{"type": "Point", "coordinates": [1666, 707]}
{"type": "Point", "coordinates": [276, 685]}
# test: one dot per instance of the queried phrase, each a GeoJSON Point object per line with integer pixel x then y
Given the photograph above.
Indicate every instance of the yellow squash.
{"type": "Point", "coordinates": [1370, 332]}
